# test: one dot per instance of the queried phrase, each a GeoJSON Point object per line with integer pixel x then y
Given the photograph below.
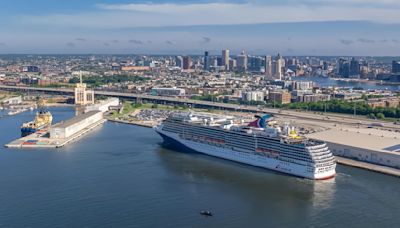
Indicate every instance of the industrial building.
{"type": "Point", "coordinates": [103, 106]}
{"type": "Point", "coordinates": [12, 100]}
{"type": "Point", "coordinates": [75, 125]}
{"type": "Point", "coordinates": [367, 145]}
{"type": "Point", "coordinates": [83, 96]}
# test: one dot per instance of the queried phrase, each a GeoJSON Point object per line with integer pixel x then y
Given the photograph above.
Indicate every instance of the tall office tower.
{"type": "Point", "coordinates": [219, 61]}
{"type": "Point", "coordinates": [214, 62]}
{"type": "Point", "coordinates": [232, 64]}
{"type": "Point", "coordinates": [343, 68]}
{"type": "Point", "coordinates": [187, 62]}
{"type": "Point", "coordinates": [395, 67]}
{"type": "Point", "coordinates": [225, 59]}
{"type": "Point", "coordinates": [179, 61]}
{"type": "Point", "coordinates": [268, 66]}
{"type": "Point", "coordinates": [206, 61]}
{"type": "Point", "coordinates": [255, 63]}
{"type": "Point", "coordinates": [279, 62]}
{"type": "Point", "coordinates": [241, 62]}
{"type": "Point", "coordinates": [354, 67]}
{"type": "Point", "coordinates": [292, 62]}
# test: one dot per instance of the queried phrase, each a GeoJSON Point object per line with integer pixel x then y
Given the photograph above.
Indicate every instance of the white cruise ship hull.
{"type": "Point", "coordinates": [247, 158]}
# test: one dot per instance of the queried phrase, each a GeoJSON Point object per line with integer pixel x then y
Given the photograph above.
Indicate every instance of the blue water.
{"type": "Point", "coordinates": [120, 176]}
{"type": "Point", "coordinates": [370, 85]}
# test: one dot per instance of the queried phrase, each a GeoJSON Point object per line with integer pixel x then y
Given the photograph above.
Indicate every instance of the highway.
{"type": "Point", "coordinates": [339, 119]}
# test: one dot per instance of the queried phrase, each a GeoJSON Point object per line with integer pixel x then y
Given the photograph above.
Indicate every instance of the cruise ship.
{"type": "Point", "coordinates": [262, 143]}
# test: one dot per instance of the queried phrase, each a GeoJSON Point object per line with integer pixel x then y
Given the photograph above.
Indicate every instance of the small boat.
{"type": "Point", "coordinates": [206, 213]}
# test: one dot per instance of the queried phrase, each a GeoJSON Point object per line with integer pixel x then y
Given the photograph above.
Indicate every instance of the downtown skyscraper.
{"type": "Point", "coordinates": [268, 66]}
{"type": "Point", "coordinates": [225, 59]}
{"type": "Point", "coordinates": [206, 61]}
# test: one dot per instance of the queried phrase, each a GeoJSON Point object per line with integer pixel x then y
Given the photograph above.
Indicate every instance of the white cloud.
{"type": "Point", "coordinates": [158, 15]}
{"type": "Point", "coordinates": [105, 24]}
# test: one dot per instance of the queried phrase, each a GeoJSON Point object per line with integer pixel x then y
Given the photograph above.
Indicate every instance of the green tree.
{"type": "Point", "coordinates": [380, 116]}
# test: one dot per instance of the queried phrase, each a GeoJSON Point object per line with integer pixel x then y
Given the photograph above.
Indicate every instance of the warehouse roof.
{"type": "Point", "coordinates": [75, 119]}
{"type": "Point", "coordinates": [374, 139]}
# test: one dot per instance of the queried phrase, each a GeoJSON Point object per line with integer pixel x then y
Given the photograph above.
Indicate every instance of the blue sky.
{"type": "Point", "coordinates": [292, 27]}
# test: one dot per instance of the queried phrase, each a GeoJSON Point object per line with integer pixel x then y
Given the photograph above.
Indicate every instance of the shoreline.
{"type": "Point", "coordinates": [368, 166]}
{"type": "Point", "coordinates": [131, 123]}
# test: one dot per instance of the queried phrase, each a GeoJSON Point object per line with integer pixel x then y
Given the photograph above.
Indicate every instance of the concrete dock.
{"type": "Point", "coordinates": [41, 138]}
{"type": "Point", "coordinates": [368, 166]}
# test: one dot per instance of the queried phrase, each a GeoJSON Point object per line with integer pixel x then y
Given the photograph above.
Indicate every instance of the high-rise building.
{"type": "Point", "coordinates": [268, 66]}
{"type": "Point", "coordinates": [219, 61]}
{"type": "Point", "coordinates": [241, 62]}
{"type": "Point", "coordinates": [255, 63]}
{"type": "Point", "coordinates": [232, 64]}
{"type": "Point", "coordinates": [187, 62]}
{"type": "Point", "coordinates": [206, 61]}
{"type": "Point", "coordinates": [325, 65]}
{"type": "Point", "coordinates": [354, 67]}
{"type": "Point", "coordinates": [344, 68]}
{"type": "Point", "coordinates": [225, 59]}
{"type": "Point", "coordinates": [395, 67]}
{"type": "Point", "coordinates": [279, 63]}
{"type": "Point", "coordinates": [179, 61]}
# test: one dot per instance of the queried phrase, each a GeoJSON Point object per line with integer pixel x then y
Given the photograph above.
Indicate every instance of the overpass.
{"type": "Point", "coordinates": [135, 96]}
{"type": "Point", "coordinates": [290, 114]}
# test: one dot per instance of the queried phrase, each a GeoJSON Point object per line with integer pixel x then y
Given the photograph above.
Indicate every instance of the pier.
{"type": "Point", "coordinates": [42, 139]}
{"type": "Point", "coordinates": [64, 132]}
{"type": "Point", "coordinates": [368, 166]}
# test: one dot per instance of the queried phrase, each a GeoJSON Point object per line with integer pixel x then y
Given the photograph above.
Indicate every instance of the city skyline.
{"type": "Point", "coordinates": [306, 27]}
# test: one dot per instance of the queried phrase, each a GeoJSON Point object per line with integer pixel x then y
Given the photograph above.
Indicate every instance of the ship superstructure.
{"type": "Point", "coordinates": [260, 143]}
{"type": "Point", "coordinates": [43, 118]}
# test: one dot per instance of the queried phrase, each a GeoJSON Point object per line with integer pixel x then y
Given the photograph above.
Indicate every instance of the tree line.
{"type": "Point", "coordinates": [335, 106]}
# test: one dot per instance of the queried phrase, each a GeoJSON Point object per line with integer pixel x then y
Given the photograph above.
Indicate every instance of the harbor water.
{"type": "Point", "coordinates": [121, 176]}
{"type": "Point", "coordinates": [367, 85]}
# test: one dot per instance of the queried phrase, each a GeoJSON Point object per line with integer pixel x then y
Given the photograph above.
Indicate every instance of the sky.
{"type": "Point", "coordinates": [290, 27]}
